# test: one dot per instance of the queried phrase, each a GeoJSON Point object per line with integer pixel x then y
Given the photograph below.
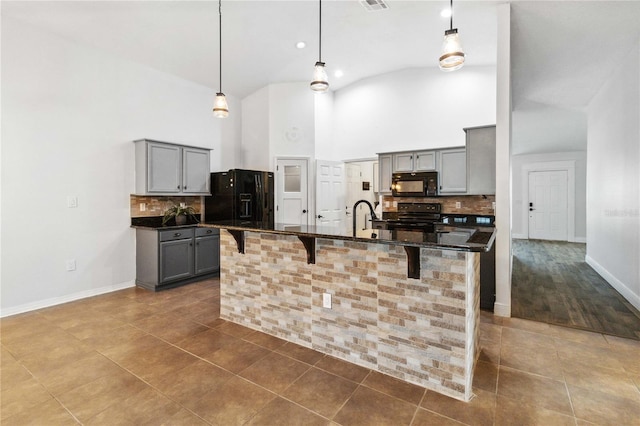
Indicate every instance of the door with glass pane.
{"type": "Point", "coordinates": [292, 191]}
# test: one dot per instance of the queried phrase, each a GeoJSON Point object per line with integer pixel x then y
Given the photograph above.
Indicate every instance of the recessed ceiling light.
{"type": "Point", "coordinates": [301, 44]}
{"type": "Point", "coordinates": [338, 73]}
{"type": "Point", "coordinates": [446, 13]}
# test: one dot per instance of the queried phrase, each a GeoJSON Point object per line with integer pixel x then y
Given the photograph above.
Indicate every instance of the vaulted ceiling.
{"type": "Point", "coordinates": [562, 51]}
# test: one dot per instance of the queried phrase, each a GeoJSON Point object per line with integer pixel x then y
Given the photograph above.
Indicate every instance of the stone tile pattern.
{"type": "Point", "coordinates": [469, 204]}
{"type": "Point", "coordinates": [156, 205]}
{"type": "Point", "coordinates": [421, 331]}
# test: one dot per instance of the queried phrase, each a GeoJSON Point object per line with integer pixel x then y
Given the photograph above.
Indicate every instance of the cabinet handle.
{"type": "Point", "coordinates": [177, 234]}
{"type": "Point", "coordinates": [209, 231]}
{"type": "Point", "coordinates": [178, 186]}
{"type": "Point", "coordinates": [185, 187]}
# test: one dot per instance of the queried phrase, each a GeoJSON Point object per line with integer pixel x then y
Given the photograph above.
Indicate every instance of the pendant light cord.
{"type": "Point", "coordinates": [220, 39]}
{"type": "Point", "coordinates": [451, 17]}
{"type": "Point", "coordinates": [320, 33]}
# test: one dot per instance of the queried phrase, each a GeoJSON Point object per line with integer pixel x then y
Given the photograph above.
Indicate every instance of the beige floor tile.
{"type": "Point", "coordinates": [604, 408]}
{"type": "Point", "coordinates": [49, 412]}
{"type": "Point", "coordinates": [489, 352]}
{"type": "Point", "coordinates": [300, 353]}
{"type": "Point", "coordinates": [42, 362]}
{"type": "Point", "coordinates": [485, 376]}
{"type": "Point", "coordinates": [544, 362]}
{"type": "Point", "coordinates": [343, 368]}
{"type": "Point", "coordinates": [518, 413]}
{"type": "Point", "coordinates": [428, 418]}
{"type": "Point", "coordinates": [193, 381]}
{"type": "Point", "coordinates": [275, 372]}
{"type": "Point", "coordinates": [124, 337]}
{"type": "Point", "coordinates": [580, 336]}
{"type": "Point", "coordinates": [237, 357]}
{"type": "Point", "coordinates": [571, 352]}
{"type": "Point", "coordinates": [22, 326]}
{"type": "Point", "coordinates": [527, 325]}
{"type": "Point", "coordinates": [374, 408]}
{"type": "Point", "coordinates": [533, 389]}
{"type": "Point", "coordinates": [12, 373]}
{"type": "Point", "coordinates": [46, 340]}
{"type": "Point", "coordinates": [97, 326]}
{"type": "Point", "coordinates": [394, 387]}
{"type": "Point", "coordinates": [479, 411]}
{"type": "Point", "coordinates": [147, 407]}
{"type": "Point", "coordinates": [490, 332]}
{"type": "Point", "coordinates": [607, 380]}
{"type": "Point", "coordinates": [238, 403]}
{"type": "Point", "coordinates": [321, 392]}
{"type": "Point", "coordinates": [280, 411]}
{"type": "Point", "coordinates": [22, 397]}
{"type": "Point", "coordinates": [234, 329]}
{"type": "Point", "coordinates": [81, 372]}
{"type": "Point", "coordinates": [169, 327]}
{"type": "Point", "coordinates": [264, 340]}
{"type": "Point", "coordinates": [91, 399]}
{"type": "Point", "coordinates": [527, 340]}
{"type": "Point", "coordinates": [207, 343]}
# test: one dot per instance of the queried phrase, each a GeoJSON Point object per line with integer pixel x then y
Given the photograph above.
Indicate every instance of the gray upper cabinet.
{"type": "Point", "coordinates": [169, 169]}
{"type": "Point", "coordinates": [384, 173]}
{"type": "Point", "coordinates": [420, 161]}
{"type": "Point", "coordinates": [453, 167]}
{"type": "Point", "coordinates": [481, 160]}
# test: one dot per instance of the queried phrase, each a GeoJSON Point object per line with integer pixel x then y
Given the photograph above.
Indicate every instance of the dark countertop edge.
{"type": "Point", "coordinates": [436, 246]}
{"type": "Point", "coordinates": [162, 228]}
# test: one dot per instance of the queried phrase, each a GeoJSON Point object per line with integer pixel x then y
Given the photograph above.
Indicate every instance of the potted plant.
{"type": "Point", "coordinates": [180, 213]}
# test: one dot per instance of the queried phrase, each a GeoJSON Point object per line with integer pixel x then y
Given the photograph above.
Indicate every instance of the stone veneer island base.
{"type": "Point", "coordinates": [423, 331]}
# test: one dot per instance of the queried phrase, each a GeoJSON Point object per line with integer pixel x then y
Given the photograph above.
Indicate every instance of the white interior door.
{"type": "Point", "coordinates": [353, 177]}
{"type": "Point", "coordinates": [292, 191]}
{"type": "Point", "coordinates": [330, 193]}
{"type": "Point", "coordinates": [548, 205]}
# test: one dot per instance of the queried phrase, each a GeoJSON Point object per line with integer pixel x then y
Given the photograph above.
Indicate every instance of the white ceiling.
{"type": "Point", "coordinates": [561, 50]}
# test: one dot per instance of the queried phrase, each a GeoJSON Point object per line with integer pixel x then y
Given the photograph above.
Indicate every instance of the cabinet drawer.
{"type": "Point", "coordinates": [203, 232]}
{"type": "Point", "coordinates": [176, 234]}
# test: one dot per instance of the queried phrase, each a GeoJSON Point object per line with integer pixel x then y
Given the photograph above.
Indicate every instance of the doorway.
{"type": "Point", "coordinates": [292, 191]}
{"type": "Point", "coordinates": [330, 193]}
{"type": "Point", "coordinates": [548, 205]}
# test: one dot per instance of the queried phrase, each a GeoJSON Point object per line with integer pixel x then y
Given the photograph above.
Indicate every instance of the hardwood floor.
{"type": "Point", "coordinates": [551, 283]}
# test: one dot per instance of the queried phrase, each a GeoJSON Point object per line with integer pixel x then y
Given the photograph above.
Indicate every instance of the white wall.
{"type": "Point", "coordinates": [229, 156]}
{"type": "Point", "coordinates": [291, 120]}
{"type": "Point", "coordinates": [613, 179]}
{"type": "Point", "coordinates": [411, 109]}
{"type": "Point", "coordinates": [519, 196]}
{"type": "Point", "coordinates": [69, 114]}
{"type": "Point", "coordinates": [255, 131]}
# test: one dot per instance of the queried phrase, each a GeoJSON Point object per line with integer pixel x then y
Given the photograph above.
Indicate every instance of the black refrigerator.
{"type": "Point", "coordinates": [241, 195]}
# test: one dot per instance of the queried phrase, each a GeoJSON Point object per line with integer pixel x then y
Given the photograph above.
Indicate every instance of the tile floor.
{"type": "Point", "coordinates": [136, 357]}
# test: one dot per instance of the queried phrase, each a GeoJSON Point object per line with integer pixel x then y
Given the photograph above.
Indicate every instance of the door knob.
{"type": "Point", "coordinates": [304, 211]}
{"type": "Point", "coordinates": [320, 216]}
{"type": "Point", "coordinates": [531, 209]}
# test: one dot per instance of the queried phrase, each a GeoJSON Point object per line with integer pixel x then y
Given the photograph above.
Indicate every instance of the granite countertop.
{"type": "Point", "coordinates": [445, 238]}
{"type": "Point", "coordinates": [155, 223]}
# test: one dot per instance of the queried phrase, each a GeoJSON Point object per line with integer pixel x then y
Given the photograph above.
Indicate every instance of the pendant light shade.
{"type": "Point", "coordinates": [320, 82]}
{"type": "Point", "coordinates": [220, 107]}
{"type": "Point", "coordinates": [452, 57]}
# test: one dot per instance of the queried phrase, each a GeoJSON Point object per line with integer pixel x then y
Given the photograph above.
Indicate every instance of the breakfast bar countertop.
{"type": "Point", "coordinates": [445, 237]}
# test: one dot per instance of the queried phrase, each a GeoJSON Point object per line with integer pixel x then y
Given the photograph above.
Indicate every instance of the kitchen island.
{"type": "Point", "coordinates": [403, 305]}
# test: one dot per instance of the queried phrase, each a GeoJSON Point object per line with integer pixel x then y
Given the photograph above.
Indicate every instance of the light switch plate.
{"type": "Point", "coordinates": [70, 265]}
{"type": "Point", "coordinates": [458, 204]}
{"type": "Point", "coordinates": [143, 207]}
{"type": "Point", "coordinates": [72, 201]}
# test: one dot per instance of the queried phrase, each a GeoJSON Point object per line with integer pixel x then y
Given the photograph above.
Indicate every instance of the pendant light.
{"type": "Point", "coordinates": [220, 108]}
{"type": "Point", "coordinates": [452, 57]}
{"type": "Point", "coordinates": [320, 82]}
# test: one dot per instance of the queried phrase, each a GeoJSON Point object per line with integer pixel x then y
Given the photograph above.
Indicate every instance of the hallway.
{"type": "Point", "coordinates": [551, 283]}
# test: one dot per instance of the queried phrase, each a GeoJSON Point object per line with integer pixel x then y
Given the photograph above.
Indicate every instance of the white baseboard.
{"type": "Point", "coordinates": [631, 297]}
{"type": "Point", "coordinates": [27, 307]}
{"type": "Point", "coordinates": [501, 310]}
{"type": "Point", "coordinates": [580, 240]}
{"type": "Point", "coordinates": [519, 237]}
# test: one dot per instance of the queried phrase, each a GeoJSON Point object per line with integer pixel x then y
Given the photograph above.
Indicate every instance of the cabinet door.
{"type": "Point", "coordinates": [176, 260]}
{"type": "Point", "coordinates": [481, 160]}
{"type": "Point", "coordinates": [425, 161]}
{"type": "Point", "coordinates": [403, 162]}
{"type": "Point", "coordinates": [453, 170]}
{"type": "Point", "coordinates": [384, 171]}
{"type": "Point", "coordinates": [207, 254]}
{"type": "Point", "coordinates": [195, 171]}
{"type": "Point", "coordinates": [163, 168]}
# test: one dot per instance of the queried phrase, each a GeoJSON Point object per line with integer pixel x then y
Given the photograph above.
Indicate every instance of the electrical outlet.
{"type": "Point", "coordinates": [387, 204]}
{"type": "Point", "coordinates": [70, 265]}
{"type": "Point", "coordinates": [493, 205]}
{"type": "Point", "coordinates": [143, 207]}
{"type": "Point", "coordinates": [395, 204]}
{"type": "Point", "coordinates": [458, 204]}
{"type": "Point", "coordinates": [326, 300]}
{"type": "Point", "coordinates": [72, 201]}
{"type": "Point", "coordinates": [183, 205]}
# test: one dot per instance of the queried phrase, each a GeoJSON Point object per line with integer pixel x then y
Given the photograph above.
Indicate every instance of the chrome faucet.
{"type": "Point", "coordinates": [373, 213]}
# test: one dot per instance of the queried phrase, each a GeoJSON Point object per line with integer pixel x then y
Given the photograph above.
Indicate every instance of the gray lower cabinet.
{"type": "Point", "coordinates": [174, 256]}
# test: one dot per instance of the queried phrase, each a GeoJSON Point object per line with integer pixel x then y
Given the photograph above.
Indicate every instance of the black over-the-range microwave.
{"type": "Point", "coordinates": [418, 184]}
